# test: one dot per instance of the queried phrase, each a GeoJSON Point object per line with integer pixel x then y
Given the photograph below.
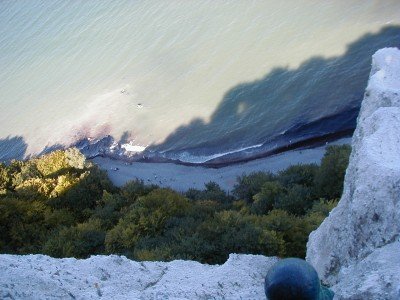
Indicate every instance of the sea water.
{"type": "Point", "coordinates": [188, 80]}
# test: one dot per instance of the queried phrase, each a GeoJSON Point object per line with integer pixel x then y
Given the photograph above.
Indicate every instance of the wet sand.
{"type": "Point", "coordinates": [181, 178]}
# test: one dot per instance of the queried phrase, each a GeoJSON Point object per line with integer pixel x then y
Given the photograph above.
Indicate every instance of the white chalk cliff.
{"type": "Point", "coordinates": [357, 248]}
{"type": "Point", "coordinates": [116, 277]}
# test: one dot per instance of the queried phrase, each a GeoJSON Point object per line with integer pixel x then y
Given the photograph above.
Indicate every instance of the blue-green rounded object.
{"type": "Point", "coordinates": [294, 278]}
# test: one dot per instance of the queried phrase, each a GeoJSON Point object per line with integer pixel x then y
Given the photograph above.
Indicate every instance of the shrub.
{"type": "Point", "coordinates": [249, 185]}
{"type": "Point", "coordinates": [212, 192]}
{"type": "Point", "coordinates": [147, 217]}
{"type": "Point", "coordinates": [52, 163]}
{"type": "Point", "coordinates": [136, 188]}
{"type": "Point", "coordinates": [22, 225]}
{"type": "Point", "coordinates": [330, 176]}
{"type": "Point", "coordinates": [267, 198]}
{"type": "Point", "coordinates": [79, 241]}
{"type": "Point", "coordinates": [75, 158]}
{"type": "Point", "coordinates": [296, 200]}
{"type": "Point", "coordinates": [298, 174]}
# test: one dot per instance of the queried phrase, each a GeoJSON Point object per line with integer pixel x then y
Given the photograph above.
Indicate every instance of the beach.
{"type": "Point", "coordinates": [181, 177]}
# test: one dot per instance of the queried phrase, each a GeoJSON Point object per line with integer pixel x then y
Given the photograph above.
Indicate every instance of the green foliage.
{"type": "Point", "coordinates": [323, 207]}
{"type": "Point", "coordinates": [330, 176]}
{"type": "Point", "coordinates": [298, 174]}
{"type": "Point", "coordinates": [22, 225]}
{"type": "Point", "coordinates": [79, 241]}
{"type": "Point", "coordinates": [4, 179]}
{"type": "Point", "coordinates": [249, 185]}
{"type": "Point", "coordinates": [26, 172]}
{"type": "Point", "coordinates": [268, 197]}
{"type": "Point", "coordinates": [230, 231]}
{"type": "Point", "coordinates": [296, 200]}
{"type": "Point", "coordinates": [52, 163]}
{"type": "Point", "coordinates": [85, 193]}
{"type": "Point", "coordinates": [212, 192]}
{"type": "Point", "coordinates": [147, 218]}
{"type": "Point", "coordinates": [75, 158]}
{"type": "Point", "coordinates": [63, 206]}
{"type": "Point", "coordinates": [136, 188]}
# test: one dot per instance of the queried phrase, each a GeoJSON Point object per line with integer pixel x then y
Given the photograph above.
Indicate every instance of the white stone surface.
{"type": "Point", "coordinates": [352, 247]}
{"type": "Point", "coordinates": [374, 277]}
{"type": "Point", "coordinates": [116, 277]}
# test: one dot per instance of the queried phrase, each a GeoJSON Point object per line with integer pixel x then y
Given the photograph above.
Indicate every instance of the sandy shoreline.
{"type": "Point", "coordinates": [181, 178]}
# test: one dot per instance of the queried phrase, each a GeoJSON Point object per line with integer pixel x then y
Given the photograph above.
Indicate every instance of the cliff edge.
{"type": "Point", "coordinates": [356, 250]}
{"type": "Point", "coordinates": [116, 277]}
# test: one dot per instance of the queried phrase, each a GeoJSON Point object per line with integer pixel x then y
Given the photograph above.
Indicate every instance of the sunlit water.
{"type": "Point", "coordinates": [74, 69]}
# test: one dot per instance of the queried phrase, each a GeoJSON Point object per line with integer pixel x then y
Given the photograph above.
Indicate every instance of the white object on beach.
{"type": "Point", "coordinates": [133, 148]}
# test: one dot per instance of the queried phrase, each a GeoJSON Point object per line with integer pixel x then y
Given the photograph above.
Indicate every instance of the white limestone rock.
{"type": "Point", "coordinates": [116, 277]}
{"type": "Point", "coordinates": [374, 277]}
{"type": "Point", "coordinates": [365, 225]}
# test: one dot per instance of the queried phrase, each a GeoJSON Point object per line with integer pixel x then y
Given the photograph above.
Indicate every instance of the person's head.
{"type": "Point", "coordinates": [292, 278]}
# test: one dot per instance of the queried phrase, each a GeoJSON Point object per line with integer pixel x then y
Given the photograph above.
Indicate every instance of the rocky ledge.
{"type": "Point", "coordinates": [356, 250]}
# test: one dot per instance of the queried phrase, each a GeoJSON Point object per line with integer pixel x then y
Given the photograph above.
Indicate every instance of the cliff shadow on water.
{"type": "Point", "coordinates": [12, 148]}
{"type": "Point", "coordinates": [287, 108]}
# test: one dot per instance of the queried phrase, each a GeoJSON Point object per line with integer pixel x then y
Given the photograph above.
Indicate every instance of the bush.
{"type": "Point", "coordinates": [147, 217]}
{"type": "Point", "coordinates": [231, 232]}
{"type": "Point", "coordinates": [212, 192]}
{"type": "Point", "coordinates": [249, 185]}
{"type": "Point", "coordinates": [79, 241]}
{"type": "Point", "coordinates": [84, 194]}
{"type": "Point", "coordinates": [296, 200]}
{"type": "Point", "coordinates": [298, 174]}
{"type": "Point", "coordinates": [268, 197]}
{"type": "Point", "coordinates": [61, 205]}
{"type": "Point", "coordinates": [330, 176]}
{"type": "Point", "coordinates": [52, 163]}
{"type": "Point", "coordinates": [75, 158]}
{"type": "Point", "coordinates": [136, 188]}
{"type": "Point", "coordinates": [5, 179]}
{"type": "Point", "coordinates": [22, 226]}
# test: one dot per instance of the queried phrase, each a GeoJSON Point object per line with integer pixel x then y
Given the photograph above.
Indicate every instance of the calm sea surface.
{"type": "Point", "coordinates": [186, 79]}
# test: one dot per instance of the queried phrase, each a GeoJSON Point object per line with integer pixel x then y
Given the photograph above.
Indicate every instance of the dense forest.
{"type": "Point", "coordinates": [62, 205]}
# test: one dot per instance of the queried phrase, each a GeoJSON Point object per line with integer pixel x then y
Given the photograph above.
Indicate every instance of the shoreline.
{"type": "Point", "coordinates": [182, 177]}
{"type": "Point", "coordinates": [310, 143]}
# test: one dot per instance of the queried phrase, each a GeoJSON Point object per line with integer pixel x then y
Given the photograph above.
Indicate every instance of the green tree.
{"type": "Point", "coordinates": [212, 191]}
{"type": "Point", "coordinates": [52, 163]}
{"type": "Point", "coordinates": [330, 176]}
{"type": "Point", "coordinates": [249, 185]}
{"type": "Point", "coordinates": [79, 241]}
{"type": "Point", "coordinates": [75, 158]}
{"type": "Point", "coordinates": [231, 232]}
{"type": "Point", "coordinates": [148, 217]}
{"type": "Point", "coordinates": [22, 225]}
{"type": "Point", "coordinates": [5, 179]}
{"type": "Point", "coordinates": [82, 196]}
{"type": "Point", "coordinates": [298, 174]}
{"type": "Point", "coordinates": [297, 200]}
{"type": "Point", "coordinates": [267, 198]}
{"type": "Point", "coordinates": [133, 189]}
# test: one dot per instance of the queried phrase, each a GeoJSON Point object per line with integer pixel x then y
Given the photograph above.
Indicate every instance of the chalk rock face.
{"type": "Point", "coordinates": [116, 277]}
{"type": "Point", "coordinates": [356, 250]}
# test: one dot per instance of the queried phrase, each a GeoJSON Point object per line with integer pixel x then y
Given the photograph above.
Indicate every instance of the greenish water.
{"type": "Point", "coordinates": [187, 79]}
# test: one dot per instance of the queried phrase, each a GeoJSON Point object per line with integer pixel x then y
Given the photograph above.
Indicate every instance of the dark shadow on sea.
{"type": "Point", "coordinates": [286, 109]}
{"type": "Point", "coordinates": [317, 102]}
{"type": "Point", "coordinates": [12, 148]}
